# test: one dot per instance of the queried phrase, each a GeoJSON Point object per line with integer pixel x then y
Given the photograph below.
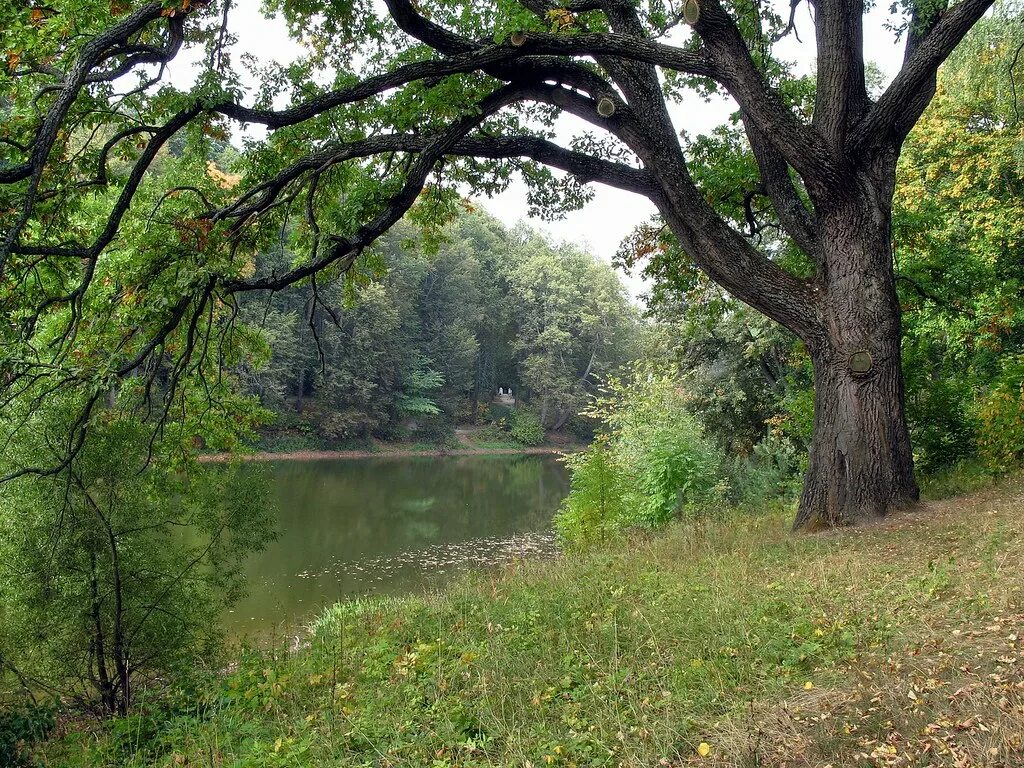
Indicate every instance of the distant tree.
{"type": "Point", "coordinates": [959, 233]}
{"type": "Point", "coordinates": [422, 333]}
{"type": "Point", "coordinates": [428, 97]}
{"type": "Point", "coordinates": [573, 326]}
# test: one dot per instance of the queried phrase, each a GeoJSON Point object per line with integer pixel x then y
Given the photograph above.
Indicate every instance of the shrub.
{"type": "Point", "coordinates": [594, 504]}
{"type": "Point", "coordinates": [652, 464]}
{"type": "Point", "coordinates": [491, 433]}
{"type": "Point", "coordinates": [941, 424]}
{"type": "Point", "coordinates": [20, 728]}
{"type": "Point", "coordinates": [496, 412]}
{"type": "Point", "coordinates": [1001, 433]}
{"type": "Point", "coordinates": [773, 470]}
{"type": "Point", "coordinates": [525, 428]}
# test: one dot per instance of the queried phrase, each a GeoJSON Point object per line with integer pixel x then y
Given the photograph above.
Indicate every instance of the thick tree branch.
{"type": "Point", "coordinates": [345, 250]}
{"type": "Point", "coordinates": [778, 185]}
{"type": "Point", "coordinates": [841, 96]}
{"type": "Point", "coordinates": [895, 113]}
{"type": "Point", "coordinates": [585, 167]}
{"type": "Point", "coordinates": [742, 270]}
{"type": "Point", "coordinates": [734, 67]}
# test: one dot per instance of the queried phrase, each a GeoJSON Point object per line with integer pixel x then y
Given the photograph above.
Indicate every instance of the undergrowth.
{"type": "Point", "coordinates": [657, 651]}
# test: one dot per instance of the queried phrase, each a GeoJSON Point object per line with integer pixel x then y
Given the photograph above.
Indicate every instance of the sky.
{"type": "Point", "coordinates": [612, 214]}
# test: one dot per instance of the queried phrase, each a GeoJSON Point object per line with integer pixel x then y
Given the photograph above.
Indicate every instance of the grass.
{"type": "Point", "coordinates": [961, 478]}
{"type": "Point", "coordinates": [724, 642]}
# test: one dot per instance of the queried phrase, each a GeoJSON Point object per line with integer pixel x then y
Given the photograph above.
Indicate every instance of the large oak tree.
{"type": "Point", "coordinates": [108, 207]}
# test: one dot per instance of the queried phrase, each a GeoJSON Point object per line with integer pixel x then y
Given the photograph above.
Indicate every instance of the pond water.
{"type": "Point", "coordinates": [379, 526]}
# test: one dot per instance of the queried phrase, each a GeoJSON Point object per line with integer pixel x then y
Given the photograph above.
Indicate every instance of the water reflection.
{"type": "Point", "coordinates": [391, 526]}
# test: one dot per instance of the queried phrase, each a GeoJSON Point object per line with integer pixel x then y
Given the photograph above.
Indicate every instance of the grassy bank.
{"type": "Point", "coordinates": [389, 450]}
{"type": "Point", "coordinates": [722, 642]}
{"type": "Point", "coordinates": [465, 441]}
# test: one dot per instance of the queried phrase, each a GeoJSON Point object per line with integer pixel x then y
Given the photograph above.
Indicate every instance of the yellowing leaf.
{"type": "Point", "coordinates": [220, 178]}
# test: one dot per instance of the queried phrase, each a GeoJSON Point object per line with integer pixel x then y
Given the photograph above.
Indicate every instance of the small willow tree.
{"type": "Point", "coordinates": [125, 238]}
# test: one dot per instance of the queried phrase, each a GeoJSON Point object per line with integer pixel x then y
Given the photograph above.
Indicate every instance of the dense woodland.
{"type": "Point", "coordinates": [422, 338]}
{"type": "Point", "coordinates": [836, 300]}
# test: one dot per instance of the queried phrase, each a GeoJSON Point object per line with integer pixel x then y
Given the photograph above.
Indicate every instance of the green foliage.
{"type": "Point", "coordinates": [294, 442]}
{"type": "Point", "coordinates": [21, 728]}
{"type": "Point", "coordinates": [1001, 435]}
{"type": "Point", "coordinates": [113, 570]}
{"type": "Point", "coordinates": [963, 477]}
{"type": "Point", "coordinates": [573, 326]}
{"type": "Point", "coordinates": [653, 463]}
{"type": "Point", "coordinates": [943, 422]}
{"type": "Point", "coordinates": [590, 512]}
{"type": "Point", "coordinates": [959, 227]}
{"type": "Point", "coordinates": [498, 413]}
{"type": "Point", "coordinates": [525, 427]}
{"type": "Point", "coordinates": [771, 473]}
{"type": "Point", "coordinates": [415, 400]}
{"type": "Point", "coordinates": [421, 334]}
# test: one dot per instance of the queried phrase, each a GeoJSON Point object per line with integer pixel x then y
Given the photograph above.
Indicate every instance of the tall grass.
{"type": "Point", "coordinates": [634, 654]}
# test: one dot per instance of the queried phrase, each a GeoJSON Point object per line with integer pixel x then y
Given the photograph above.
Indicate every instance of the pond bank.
{"type": "Point", "coordinates": [705, 644]}
{"type": "Point", "coordinates": [391, 526]}
{"type": "Point", "coordinates": [389, 452]}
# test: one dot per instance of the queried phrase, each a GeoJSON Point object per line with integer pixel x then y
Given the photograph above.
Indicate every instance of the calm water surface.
{"type": "Point", "coordinates": [392, 526]}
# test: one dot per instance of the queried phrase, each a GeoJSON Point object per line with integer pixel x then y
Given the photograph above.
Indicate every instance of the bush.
{"type": "Point", "coordinates": [497, 413]}
{"type": "Point", "coordinates": [594, 504]}
{"type": "Point", "coordinates": [653, 463]}
{"type": "Point", "coordinates": [20, 728]}
{"type": "Point", "coordinates": [525, 428]}
{"type": "Point", "coordinates": [491, 433]}
{"type": "Point", "coordinates": [941, 425]}
{"type": "Point", "coordinates": [437, 429]}
{"type": "Point", "coordinates": [773, 470]}
{"type": "Point", "coordinates": [1001, 434]}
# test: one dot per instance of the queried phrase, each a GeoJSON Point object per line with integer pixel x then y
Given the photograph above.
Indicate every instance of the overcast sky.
{"type": "Point", "coordinates": [612, 214]}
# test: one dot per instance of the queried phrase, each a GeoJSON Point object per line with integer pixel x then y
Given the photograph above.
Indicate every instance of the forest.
{"type": "Point", "coordinates": [423, 339]}
{"type": "Point", "coordinates": [789, 530]}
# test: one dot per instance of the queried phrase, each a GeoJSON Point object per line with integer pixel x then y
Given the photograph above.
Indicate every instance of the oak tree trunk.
{"type": "Point", "coordinates": [861, 462]}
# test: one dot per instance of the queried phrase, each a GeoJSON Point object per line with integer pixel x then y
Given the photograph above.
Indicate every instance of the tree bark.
{"type": "Point", "coordinates": [103, 681]}
{"type": "Point", "coordinates": [861, 461]}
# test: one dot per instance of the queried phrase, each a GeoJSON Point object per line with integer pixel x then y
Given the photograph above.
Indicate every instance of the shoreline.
{"type": "Point", "coordinates": [400, 453]}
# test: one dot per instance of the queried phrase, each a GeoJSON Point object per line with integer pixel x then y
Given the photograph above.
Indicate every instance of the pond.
{"type": "Point", "coordinates": [377, 526]}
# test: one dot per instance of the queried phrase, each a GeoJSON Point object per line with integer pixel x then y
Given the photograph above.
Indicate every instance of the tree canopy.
{"type": "Point", "coordinates": [394, 112]}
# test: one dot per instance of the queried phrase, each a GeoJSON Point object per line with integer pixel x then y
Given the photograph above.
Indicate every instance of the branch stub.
{"type": "Point", "coordinates": [605, 107]}
{"type": "Point", "coordinates": [691, 12]}
{"type": "Point", "coordinates": [861, 363]}
{"type": "Point", "coordinates": [517, 38]}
